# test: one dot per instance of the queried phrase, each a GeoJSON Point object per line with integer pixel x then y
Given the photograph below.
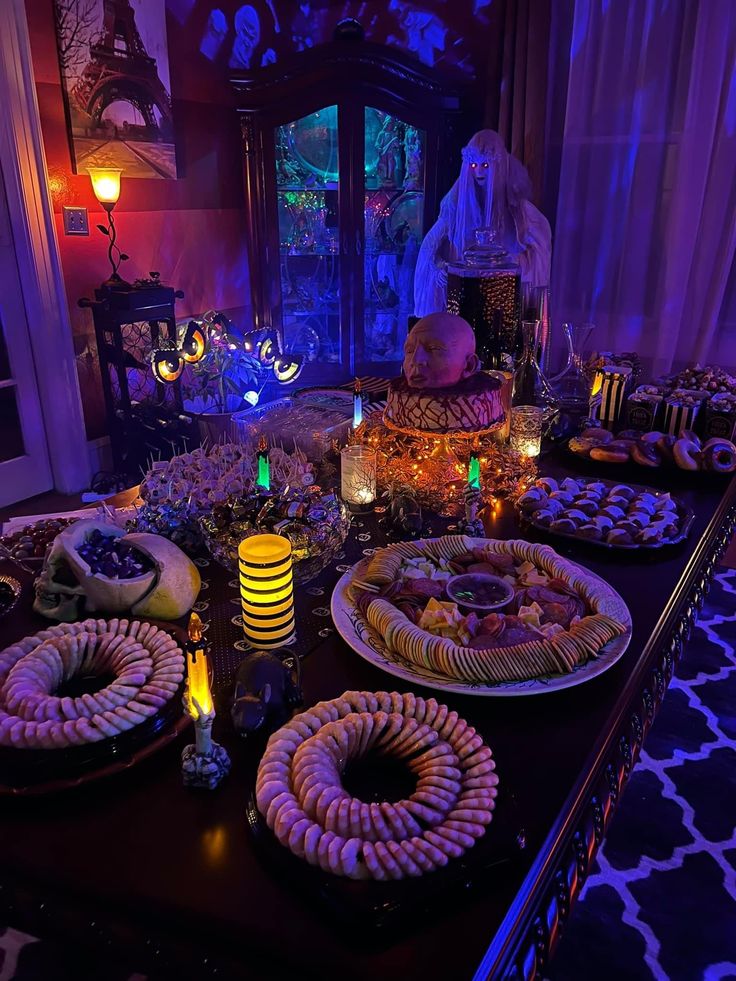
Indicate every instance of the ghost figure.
{"type": "Point", "coordinates": [247, 36]}
{"type": "Point", "coordinates": [214, 34]}
{"type": "Point", "coordinates": [492, 191]}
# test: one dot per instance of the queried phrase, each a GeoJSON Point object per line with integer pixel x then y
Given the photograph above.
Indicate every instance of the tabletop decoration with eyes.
{"type": "Point", "coordinates": [267, 688]}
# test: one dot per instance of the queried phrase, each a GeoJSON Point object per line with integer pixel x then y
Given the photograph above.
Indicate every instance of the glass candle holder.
{"type": "Point", "coordinates": [526, 429]}
{"type": "Point", "coordinates": [266, 590]}
{"type": "Point", "coordinates": [358, 475]}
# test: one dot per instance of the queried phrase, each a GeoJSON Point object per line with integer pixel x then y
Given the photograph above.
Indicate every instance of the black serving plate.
{"type": "Point", "coordinates": [684, 513]}
{"type": "Point", "coordinates": [39, 771]}
{"type": "Point", "coordinates": [367, 907]}
{"type": "Point", "coordinates": [9, 594]}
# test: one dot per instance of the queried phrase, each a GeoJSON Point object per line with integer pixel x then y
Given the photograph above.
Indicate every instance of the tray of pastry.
{"type": "Point", "coordinates": [633, 450]}
{"type": "Point", "coordinates": [603, 512]}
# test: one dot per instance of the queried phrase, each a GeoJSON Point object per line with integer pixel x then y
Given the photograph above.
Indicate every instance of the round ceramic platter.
{"type": "Point", "coordinates": [366, 642]}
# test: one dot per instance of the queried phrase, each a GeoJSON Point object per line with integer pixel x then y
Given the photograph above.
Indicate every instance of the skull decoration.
{"type": "Point", "coordinates": [93, 565]}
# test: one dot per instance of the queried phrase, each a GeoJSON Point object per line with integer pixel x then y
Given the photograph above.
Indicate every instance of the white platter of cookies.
{"type": "Point", "coordinates": [560, 626]}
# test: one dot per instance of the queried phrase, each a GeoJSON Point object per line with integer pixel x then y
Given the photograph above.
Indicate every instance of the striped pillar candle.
{"type": "Point", "coordinates": [266, 590]}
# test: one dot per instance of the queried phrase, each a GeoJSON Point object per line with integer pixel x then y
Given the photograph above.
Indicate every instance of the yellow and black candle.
{"type": "Point", "coordinates": [266, 590]}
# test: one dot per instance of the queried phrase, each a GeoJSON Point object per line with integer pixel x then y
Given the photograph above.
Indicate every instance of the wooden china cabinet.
{"type": "Point", "coordinates": [348, 148]}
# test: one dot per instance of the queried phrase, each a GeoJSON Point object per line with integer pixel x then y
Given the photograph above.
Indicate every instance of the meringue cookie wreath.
{"type": "Point", "coordinates": [299, 789]}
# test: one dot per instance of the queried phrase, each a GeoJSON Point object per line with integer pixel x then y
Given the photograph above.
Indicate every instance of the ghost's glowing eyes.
{"type": "Point", "coordinates": [473, 166]}
{"type": "Point", "coordinates": [193, 343]}
{"type": "Point", "coordinates": [485, 165]}
{"type": "Point", "coordinates": [167, 365]}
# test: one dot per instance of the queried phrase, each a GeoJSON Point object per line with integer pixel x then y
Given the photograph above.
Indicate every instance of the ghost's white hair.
{"type": "Point", "coordinates": [474, 205]}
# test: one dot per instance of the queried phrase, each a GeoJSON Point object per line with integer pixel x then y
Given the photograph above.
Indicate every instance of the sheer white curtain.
{"type": "Point", "coordinates": [645, 232]}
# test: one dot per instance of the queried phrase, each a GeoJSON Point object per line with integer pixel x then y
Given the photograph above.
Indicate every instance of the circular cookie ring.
{"type": "Point", "coordinates": [146, 661]}
{"type": "Point", "coordinates": [300, 793]}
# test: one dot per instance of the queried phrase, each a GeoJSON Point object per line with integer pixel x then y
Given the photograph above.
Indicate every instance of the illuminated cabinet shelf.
{"type": "Point", "coordinates": [348, 148]}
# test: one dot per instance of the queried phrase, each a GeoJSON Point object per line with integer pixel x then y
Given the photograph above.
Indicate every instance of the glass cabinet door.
{"type": "Point", "coordinates": [394, 189]}
{"type": "Point", "coordinates": [307, 189]}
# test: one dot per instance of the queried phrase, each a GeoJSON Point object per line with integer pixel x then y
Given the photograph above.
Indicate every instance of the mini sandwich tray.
{"type": "Point", "coordinates": [368, 907]}
{"type": "Point", "coordinates": [685, 518]}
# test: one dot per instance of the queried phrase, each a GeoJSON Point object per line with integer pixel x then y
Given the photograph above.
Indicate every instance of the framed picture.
{"type": "Point", "coordinates": [115, 76]}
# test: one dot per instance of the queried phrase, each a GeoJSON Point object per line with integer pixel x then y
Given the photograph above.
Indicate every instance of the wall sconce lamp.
{"type": "Point", "coordinates": [106, 187]}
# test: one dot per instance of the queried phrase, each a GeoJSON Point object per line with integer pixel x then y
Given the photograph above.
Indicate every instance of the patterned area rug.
{"type": "Point", "coordinates": [661, 901]}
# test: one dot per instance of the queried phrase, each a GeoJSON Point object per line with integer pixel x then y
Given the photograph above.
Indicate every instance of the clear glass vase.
{"type": "Point", "coordinates": [571, 385]}
{"type": "Point", "coordinates": [530, 384]}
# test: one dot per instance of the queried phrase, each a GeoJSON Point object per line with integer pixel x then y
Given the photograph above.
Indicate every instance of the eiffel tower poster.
{"type": "Point", "coordinates": [115, 75]}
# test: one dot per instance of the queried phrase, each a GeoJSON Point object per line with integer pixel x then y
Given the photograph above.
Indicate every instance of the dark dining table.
{"type": "Point", "coordinates": [174, 882]}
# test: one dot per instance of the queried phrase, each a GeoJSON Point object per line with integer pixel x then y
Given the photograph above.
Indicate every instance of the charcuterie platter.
{"type": "Point", "coordinates": [563, 627]}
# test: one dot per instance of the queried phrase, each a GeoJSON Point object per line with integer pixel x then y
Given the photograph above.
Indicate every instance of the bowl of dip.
{"type": "Point", "coordinates": [479, 591]}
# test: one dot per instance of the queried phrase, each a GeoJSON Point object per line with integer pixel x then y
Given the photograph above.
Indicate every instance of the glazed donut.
{"type": "Point", "coordinates": [300, 794]}
{"type": "Point", "coordinates": [597, 434]}
{"type": "Point", "coordinates": [650, 437]}
{"type": "Point", "coordinates": [645, 454]}
{"type": "Point", "coordinates": [610, 453]}
{"type": "Point", "coordinates": [720, 455]}
{"type": "Point", "coordinates": [693, 437]}
{"type": "Point", "coordinates": [666, 446]}
{"type": "Point", "coordinates": [687, 454]}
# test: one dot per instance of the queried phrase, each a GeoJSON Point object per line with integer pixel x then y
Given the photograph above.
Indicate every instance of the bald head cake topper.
{"type": "Point", "coordinates": [439, 352]}
{"type": "Point", "coordinates": [492, 191]}
{"type": "Point", "coordinates": [442, 389]}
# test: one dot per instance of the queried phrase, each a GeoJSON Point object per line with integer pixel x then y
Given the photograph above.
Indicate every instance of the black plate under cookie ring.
{"type": "Point", "coordinates": [368, 908]}
{"type": "Point", "coordinates": [39, 771]}
{"type": "Point", "coordinates": [10, 590]}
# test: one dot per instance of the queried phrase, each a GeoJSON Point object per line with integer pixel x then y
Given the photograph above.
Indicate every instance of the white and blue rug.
{"type": "Point", "coordinates": [661, 901]}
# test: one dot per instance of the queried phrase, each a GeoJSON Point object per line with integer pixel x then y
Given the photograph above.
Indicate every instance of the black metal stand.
{"type": "Point", "coordinates": [145, 418]}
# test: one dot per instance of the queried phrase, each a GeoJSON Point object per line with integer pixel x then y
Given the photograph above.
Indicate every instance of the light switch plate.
{"type": "Point", "coordinates": [75, 221]}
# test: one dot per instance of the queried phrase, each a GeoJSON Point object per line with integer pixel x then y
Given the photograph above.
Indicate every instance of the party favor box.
{"type": "Point", "coordinates": [720, 416]}
{"type": "Point", "coordinates": [615, 380]}
{"type": "Point", "coordinates": [644, 411]}
{"type": "Point", "coordinates": [681, 410]}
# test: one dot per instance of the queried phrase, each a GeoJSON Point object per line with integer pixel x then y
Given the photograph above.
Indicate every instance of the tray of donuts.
{"type": "Point", "coordinates": [381, 806]}
{"type": "Point", "coordinates": [606, 513]}
{"type": "Point", "coordinates": [715, 457]}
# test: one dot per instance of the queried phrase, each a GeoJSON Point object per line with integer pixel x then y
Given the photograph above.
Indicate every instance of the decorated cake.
{"type": "Point", "coordinates": [472, 404]}
{"type": "Point", "coordinates": [442, 389]}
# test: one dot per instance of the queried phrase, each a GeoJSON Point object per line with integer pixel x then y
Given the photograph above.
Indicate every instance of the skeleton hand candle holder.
{"type": "Point", "coordinates": [205, 763]}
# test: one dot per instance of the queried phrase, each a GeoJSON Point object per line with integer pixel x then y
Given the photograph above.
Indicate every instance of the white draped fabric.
{"type": "Point", "coordinates": [645, 233]}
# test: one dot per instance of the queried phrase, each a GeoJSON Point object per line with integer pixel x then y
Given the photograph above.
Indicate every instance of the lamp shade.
{"type": "Point", "coordinates": [266, 590]}
{"type": "Point", "coordinates": [105, 183]}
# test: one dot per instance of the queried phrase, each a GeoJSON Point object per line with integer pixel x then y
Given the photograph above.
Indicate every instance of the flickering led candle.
{"type": "Point", "coordinates": [266, 590]}
{"type": "Point", "coordinates": [357, 405]}
{"type": "Point", "coordinates": [197, 671]}
{"type": "Point", "coordinates": [526, 429]}
{"type": "Point", "coordinates": [358, 474]}
{"type": "Point", "coordinates": [474, 470]}
{"type": "Point", "coordinates": [264, 469]}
